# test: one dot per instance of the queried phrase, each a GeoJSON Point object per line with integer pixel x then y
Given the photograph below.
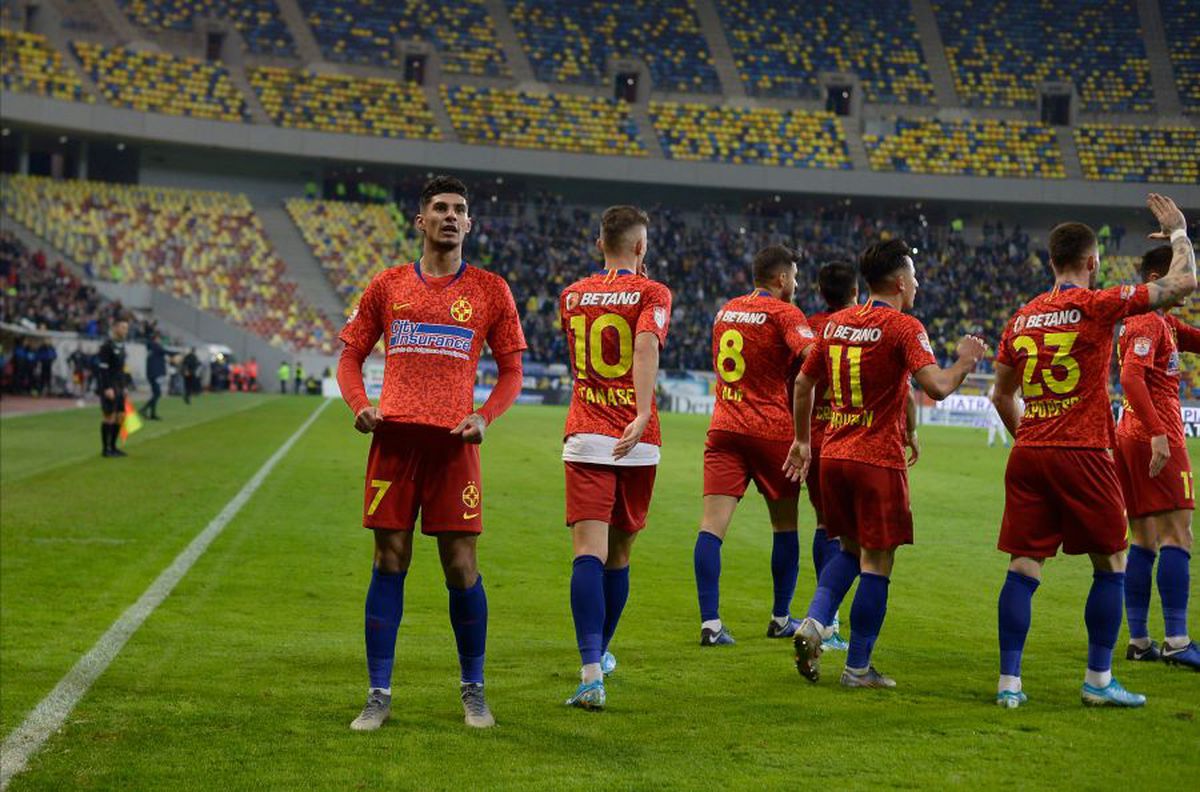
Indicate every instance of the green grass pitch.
{"type": "Point", "coordinates": [250, 672]}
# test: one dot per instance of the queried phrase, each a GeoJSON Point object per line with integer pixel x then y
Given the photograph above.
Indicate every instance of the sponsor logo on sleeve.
{"type": "Point", "coordinates": [1127, 292]}
{"type": "Point", "coordinates": [353, 316]}
{"type": "Point", "coordinates": [1141, 346]}
{"type": "Point", "coordinates": [923, 340]}
{"type": "Point", "coordinates": [660, 317]}
{"type": "Point", "coordinates": [804, 331]}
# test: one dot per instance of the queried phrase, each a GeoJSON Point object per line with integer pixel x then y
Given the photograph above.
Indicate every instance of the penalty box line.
{"type": "Point", "coordinates": [52, 711]}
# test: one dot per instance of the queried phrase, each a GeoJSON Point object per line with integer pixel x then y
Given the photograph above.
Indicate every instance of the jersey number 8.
{"type": "Point", "coordinates": [593, 337]}
{"type": "Point", "coordinates": [729, 350]}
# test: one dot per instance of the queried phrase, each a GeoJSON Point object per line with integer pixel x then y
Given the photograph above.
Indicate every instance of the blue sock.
{"type": "Point", "coordinates": [468, 617]}
{"type": "Point", "coordinates": [836, 579]}
{"type": "Point", "coordinates": [707, 561]}
{"type": "Point", "coordinates": [1173, 582]}
{"type": "Point", "coordinates": [820, 550]}
{"type": "Point", "coordinates": [1137, 589]}
{"type": "Point", "coordinates": [785, 568]}
{"type": "Point", "coordinates": [1016, 614]}
{"type": "Point", "coordinates": [587, 606]}
{"type": "Point", "coordinates": [1102, 615]}
{"type": "Point", "coordinates": [866, 618]}
{"type": "Point", "coordinates": [616, 594]}
{"type": "Point", "coordinates": [385, 606]}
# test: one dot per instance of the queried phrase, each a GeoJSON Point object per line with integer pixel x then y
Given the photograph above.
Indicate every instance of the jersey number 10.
{"type": "Point", "coordinates": [589, 345]}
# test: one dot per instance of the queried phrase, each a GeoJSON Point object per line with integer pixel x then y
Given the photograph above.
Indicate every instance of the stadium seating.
{"type": "Point", "coordinates": [559, 122]}
{"type": "Point", "coordinates": [575, 47]}
{"type": "Point", "coordinates": [365, 31]}
{"type": "Point", "coordinates": [29, 65]}
{"type": "Point", "coordinates": [159, 83]}
{"type": "Point", "coordinates": [338, 103]}
{"type": "Point", "coordinates": [1136, 154]}
{"type": "Point", "coordinates": [207, 248]}
{"type": "Point", "coordinates": [353, 241]}
{"type": "Point", "coordinates": [762, 136]}
{"type": "Point", "coordinates": [976, 148]}
{"type": "Point", "coordinates": [781, 48]}
{"type": "Point", "coordinates": [999, 50]}
{"type": "Point", "coordinates": [258, 21]}
{"type": "Point", "coordinates": [1181, 19]}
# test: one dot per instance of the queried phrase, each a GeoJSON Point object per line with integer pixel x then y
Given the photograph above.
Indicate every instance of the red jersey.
{"type": "Point", "coordinates": [1060, 343]}
{"type": "Point", "coordinates": [1153, 341]}
{"type": "Point", "coordinates": [756, 341]}
{"type": "Point", "coordinates": [867, 354]}
{"type": "Point", "coordinates": [822, 395]}
{"type": "Point", "coordinates": [602, 315]}
{"type": "Point", "coordinates": [434, 330]}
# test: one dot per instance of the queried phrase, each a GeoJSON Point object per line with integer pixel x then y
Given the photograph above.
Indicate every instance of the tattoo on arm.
{"type": "Point", "coordinates": [1180, 280]}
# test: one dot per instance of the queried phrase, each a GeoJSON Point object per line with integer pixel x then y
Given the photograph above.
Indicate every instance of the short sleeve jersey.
{"type": "Point", "coordinates": [822, 395]}
{"type": "Point", "coordinates": [601, 316]}
{"type": "Point", "coordinates": [1153, 341]}
{"type": "Point", "coordinates": [1060, 344]}
{"type": "Point", "coordinates": [434, 330]}
{"type": "Point", "coordinates": [867, 354]}
{"type": "Point", "coordinates": [756, 342]}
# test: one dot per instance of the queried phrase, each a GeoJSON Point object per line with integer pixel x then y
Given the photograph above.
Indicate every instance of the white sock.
{"type": "Point", "coordinates": [858, 671]}
{"type": "Point", "coordinates": [387, 691]}
{"type": "Point", "coordinates": [780, 621]}
{"type": "Point", "coordinates": [591, 672]}
{"type": "Point", "coordinates": [1177, 641]}
{"type": "Point", "coordinates": [1099, 679]}
{"type": "Point", "coordinates": [711, 624]}
{"type": "Point", "coordinates": [1140, 643]}
{"type": "Point", "coordinates": [1009, 683]}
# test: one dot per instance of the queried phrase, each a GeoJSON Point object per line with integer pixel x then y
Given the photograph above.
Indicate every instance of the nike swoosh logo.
{"type": "Point", "coordinates": [400, 306]}
{"type": "Point", "coordinates": [470, 516]}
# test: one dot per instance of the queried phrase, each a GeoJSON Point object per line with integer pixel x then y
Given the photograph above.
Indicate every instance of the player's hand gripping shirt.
{"type": "Point", "coordinates": [1154, 341]}
{"type": "Point", "coordinates": [867, 354]}
{"type": "Point", "coordinates": [433, 330]}
{"type": "Point", "coordinates": [1060, 344]}
{"type": "Point", "coordinates": [601, 316]}
{"type": "Point", "coordinates": [757, 340]}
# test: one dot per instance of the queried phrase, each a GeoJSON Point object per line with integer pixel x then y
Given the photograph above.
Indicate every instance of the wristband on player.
{"type": "Point", "coordinates": [1178, 233]}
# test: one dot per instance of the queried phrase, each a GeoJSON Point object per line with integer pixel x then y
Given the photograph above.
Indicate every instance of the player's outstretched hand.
{"type": "Point", "coordinates": [1168, 215]}
{"type": "Point", "coordinates": [914, 448]}
{"type": "Point", "coordinates": [972, 349]}
{"type": "Point", "coordinates": [1160, 454]}
{"type": "Point", "coordinates": [367, 419]}
{"type": "Point", "coordinates": [631, 436]}
{"type": "Point", "coordinates": [795, 467]}
{"type": "Point", "coordinates": [471, 428]}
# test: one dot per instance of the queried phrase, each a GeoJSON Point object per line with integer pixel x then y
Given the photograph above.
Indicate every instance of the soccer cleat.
{"type": "Point", "coordinates": [116, 452]}
{"type": "Point", "coordinates": [807, 643]}
{"type": "Point", "coordinates": [1111, 695]}
{"type": "Point", "coordinates": [475, 709]}
{"type": "Point", "coordinates": [835, 642]}
{"type": "Point", "coordinates": [870, 679]}
{"type": "Point", "coordinates": [608, 663]}
{"type": "Point", "coordinates": [716, 637]}
{"type": "Point", "coordinates": [1150, 653]}
{"type": "Point", "coordinates": [1187, 656]}
{"type": "Point", "coordinates": [589, 696]}
{"type": "Point", "coordinates": [1011, 699]}
{"type": "Point", "coordinates": [377, 710]}
{"type": "Point", "coordinates": [786, 631]}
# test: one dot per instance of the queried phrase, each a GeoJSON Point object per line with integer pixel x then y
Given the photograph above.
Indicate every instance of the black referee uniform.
{"type": "Point", "coordinates": [110, 374]}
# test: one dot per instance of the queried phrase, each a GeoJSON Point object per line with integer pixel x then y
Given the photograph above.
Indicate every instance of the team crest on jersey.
{"type": "Point", "coordinates": [923, 340]}
{"type": "Point", "coordinates": [461, 310]}
{"type": "Point", "coordinates": [1141, 346]}
{"type": "Point", "coordinates": [470, 495]}
{"type": "Point", "coordinates": [660, 317]}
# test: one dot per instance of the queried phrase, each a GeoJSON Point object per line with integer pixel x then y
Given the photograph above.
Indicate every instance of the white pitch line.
{"type": "Point", "coordinates": [50, 714]}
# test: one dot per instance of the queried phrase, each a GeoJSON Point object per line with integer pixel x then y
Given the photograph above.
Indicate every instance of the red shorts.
{"type": "Point", "coordinates": [866, 503]}
{"type": "Point", "coordinates": [1170, 490]}
{"type": "Point", "coordinates": [424, 469]}
{"type": "Point", "coordinates": [813, 482]}
{"type": "Point", "coordinates": [732, 461]}
{"type": "Point", "coordinates": [1061, 496]}
{"type": "Point", "coordinates": [615, 494]}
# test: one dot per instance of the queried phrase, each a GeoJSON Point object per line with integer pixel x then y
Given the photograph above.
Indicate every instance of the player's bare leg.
{"type": "Point", "coordinates": [1139, 572]}
{"type": "Point", "coordinates": [785, 565]}
{"type": "Point", "coordinates": [866, 619]}
{"type": "Point", "coordinates": [836, 579]}
{"type": "Point", "coordinates": [1174, 554]}
{"type": "Point", "coordinates": [1015, 610]}
{"type": "Point", "coordinates": [616, 591]}
{"type": "Point", "coordinates": [714, 524]}
{"type": "Point", "coordinates": [590, 541]}
{"type": "Point", "coordinates": [1103, 618]}
{"type": "Point", "coordinates": [468, 617]}
{"type": "Point", "coordinates": [384, 608]}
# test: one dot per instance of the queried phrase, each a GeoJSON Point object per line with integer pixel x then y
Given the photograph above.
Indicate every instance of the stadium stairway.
{"type": "Point", "coordinates": [514, 53]}
{"type": "Point", "coordinates": [241, 81]}
{"type": "Point", "coordinates": [1070, 152]}
{"type": "Point", "coordinates": [306, 43]}
{"type": "Point", "coordinates": [855, 148]}
{"type": "Point", "coordinates": [125, 30]}
{"type": "Point", "coordinates": [58, 38]}
{"type": "Point", "coordinates": [718, 45]}
{"type": "Point", "coordinates": [302, 265]}
{"type": "Point", "coordinates": [935, 55]}
{"type": "Point", "coordinates": [640, 113]}
{"type": "Point", "coordinates": [1162, 77]}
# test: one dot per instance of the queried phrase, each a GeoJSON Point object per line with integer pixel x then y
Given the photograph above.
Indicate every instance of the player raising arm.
{"type": "Point", "coordinates": [616, 323]}
{"type": "Point", "coordinates": [1156, 474]}
{"type": "Point", "coordinates": [1061, 484]}
{"type": "Point", "coordinates": [866, 354]}
{"type": "Point", "coordinates": [434, 315]}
